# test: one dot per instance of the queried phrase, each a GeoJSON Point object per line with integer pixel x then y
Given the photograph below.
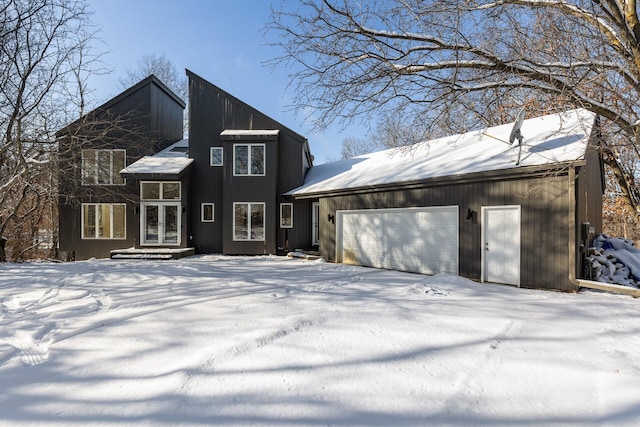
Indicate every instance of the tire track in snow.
{"type": "Point", "coordinates": [250, 345]}
{"type": "Point", "coordinates": [61, 304]}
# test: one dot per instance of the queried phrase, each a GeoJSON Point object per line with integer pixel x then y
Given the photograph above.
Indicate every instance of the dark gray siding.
{"type": "Point", "coordinates": [589, 192]}
{"type": "Point", "coordinates": [251, 189]}
{"type": "Point", "coordinates": [298, 237]}
{"type": "Point", "coordinates": [142, 119]}
{"type": "Point", "coordinates": [545, 226]}
{"type": "Point", "coordinates": [212, 111]}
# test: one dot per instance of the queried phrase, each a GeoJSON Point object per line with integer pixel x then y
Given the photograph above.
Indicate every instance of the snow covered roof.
{"type": "Point", "coordinates": [172, 162]}
{"type": "Point", "coordinates": [253, 132]}
{"type": "Point", "coordinates": [556, 138]}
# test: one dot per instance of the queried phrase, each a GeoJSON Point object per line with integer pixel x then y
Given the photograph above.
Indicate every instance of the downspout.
{"type": "Point", "coordinates": [572, 229]}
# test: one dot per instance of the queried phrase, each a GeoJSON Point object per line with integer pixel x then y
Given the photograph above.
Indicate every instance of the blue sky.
{"type": "Point", "coordinates": [220, 40]}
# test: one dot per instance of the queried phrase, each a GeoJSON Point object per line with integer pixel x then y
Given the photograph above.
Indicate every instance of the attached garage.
{"type": "Point", "coordinates": [422, 240]}
{"type": "Point", "coordinates": [469, 204]}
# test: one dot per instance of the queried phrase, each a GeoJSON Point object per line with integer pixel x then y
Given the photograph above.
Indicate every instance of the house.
{"type": "Point", "coordinates": [130, 180]}
{"type": "Point", "coordinates": [242, 183]}
{"type": "Point", "coordinates": [472, 204]}
{"type": "Point", "coordinates": [98, 208]}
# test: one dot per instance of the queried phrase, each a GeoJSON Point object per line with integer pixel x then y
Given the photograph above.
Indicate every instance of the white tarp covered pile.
{"type": "Point", "coordinates": [615, 261]}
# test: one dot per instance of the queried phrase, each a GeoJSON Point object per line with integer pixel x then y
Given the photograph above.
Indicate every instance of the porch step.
{"type": "Point", "coordinates": [152, 253]}
{"type": "Point", "coordinates": [309, 255]}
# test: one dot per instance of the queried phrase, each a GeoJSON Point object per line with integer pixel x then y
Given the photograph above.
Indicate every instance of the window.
{"type": "Point", "coordinates": [102, 167]}
{"type": "Point", "coordinates": [103, 221]}
{"type": "Point", "coordinates": [207, 212]}
{"type": "Point", "coordinates": [160, 190]}
{"type": "Point", "coordinates": [216, 156]}
{"type": "Point", "coordinates": [248, 159]}
{"type": "Point", "coordinates": [286, 215]}
{"type": "Point", "coordinates": [248, 221]}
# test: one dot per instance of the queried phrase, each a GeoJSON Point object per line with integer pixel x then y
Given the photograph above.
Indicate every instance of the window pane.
{"type": "Point", "coordinates": [119, 216]}
{"type": "Point", "coordinates": [151, 224]}
{"type": "Point", "coordinates": [104, 167]}
{"type": "Point", "coordinates": [88, 166]}
{"type": "Point", "coordinates": [104, 221]}
{"type": "Point", "coordinates": [171, 190]}
{"type": "Point", "coordinates": [241, 160]}
{"type": "Point", "coordinates": [257, 221]}
{"type": "Point", "coordinates": [170, 224]}
{"type": "Point", "coordinates": [118, 165]}
{"type": "Point", "coordinates": [257, 160]}
{"type": "Point", "coordinates": [241, 230]}
{"type": "Point", "coordinates": [89, 220]}
{"type": "Point", "coordinates": [286, 215]}
{"type": "Point", "coordinates": [207, 212]}
{"type": "Point", "coordinates": [150, 190]}
{"type": "Point", "coordinates": [216, 156]}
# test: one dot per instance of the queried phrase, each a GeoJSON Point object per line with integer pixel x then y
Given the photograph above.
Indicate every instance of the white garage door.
{"type": "Point", "coordinates": [423, 240]}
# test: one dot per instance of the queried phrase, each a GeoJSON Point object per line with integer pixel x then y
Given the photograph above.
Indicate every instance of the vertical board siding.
{"type": "Point", "coordinates": [212, 111]}
{"type": "Point", "coordinates": [140, 120]}
{"type": "Point", "coordinates": [544, 224]}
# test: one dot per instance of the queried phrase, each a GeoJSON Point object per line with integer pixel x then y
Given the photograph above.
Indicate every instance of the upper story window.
{"type": "Point", "coordinates": [102, 167]}
{"type": "Point", "coordinates": [216, 156]}
{"type": "Point", "coordinates": [169, 190]}
{"type": "Point", "coordinates": [249, 159]}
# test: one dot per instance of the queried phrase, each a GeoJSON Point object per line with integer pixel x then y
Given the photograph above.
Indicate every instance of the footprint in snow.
{"type": "Point", "coordinates": [33, 349]}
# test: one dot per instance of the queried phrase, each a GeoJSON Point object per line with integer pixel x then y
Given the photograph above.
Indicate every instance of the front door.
{"type": "Point", "coordinates": [315, 224]}
{"type": "Point", "coordinates": [501, 244]}
{"type": "Point", "coordinates": [160, 224]}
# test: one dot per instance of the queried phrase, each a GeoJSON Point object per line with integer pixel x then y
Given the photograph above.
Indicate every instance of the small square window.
{"type": "Point", "coordinates": [207, 212]}
{"type": "Point", "coordinates": [286, 215]}
{"type": "Point", "coordinates": [216, 156]}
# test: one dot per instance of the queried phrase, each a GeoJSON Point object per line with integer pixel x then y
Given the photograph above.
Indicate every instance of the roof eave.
{"type": "Point", "coordinates": [561, 168]}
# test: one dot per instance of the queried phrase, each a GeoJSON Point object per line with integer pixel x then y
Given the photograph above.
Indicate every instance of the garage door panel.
{"type": "Point", "coordinates": [422, 240]}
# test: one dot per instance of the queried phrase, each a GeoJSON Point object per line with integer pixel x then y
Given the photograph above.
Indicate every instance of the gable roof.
{"type": "Point", "coordinates": [170, 163]}
{"type": "Point", "coordinates": [252, 110]}
{"type": "Point", "coordinates": [548, 140]}
{"type": "Point", "coordinates": [151, 79]}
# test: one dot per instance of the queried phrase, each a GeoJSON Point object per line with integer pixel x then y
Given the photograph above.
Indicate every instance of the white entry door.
{"type": "Point", "coordinates": [160, 224]}
{"type": "Point", "coordinates": [501, 244]}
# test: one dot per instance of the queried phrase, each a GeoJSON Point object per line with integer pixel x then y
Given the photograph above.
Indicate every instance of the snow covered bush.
{"type": "Point", "coordinates": [614, 260]}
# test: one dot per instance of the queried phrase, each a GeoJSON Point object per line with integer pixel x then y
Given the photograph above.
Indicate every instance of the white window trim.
{"type": "Point", "coordinates": [160, 189]}
{"type": "Point", "coordinates": [111, 171]}
{"type": "Point", "coordinates": [264, 161]}
{"type": "Point", "coordinates": [160, 205]}
{"type": "Point", "coordinates": [282, 205]}
{"type": "Point", "coordinates": [213, 212]}
{"type": "Point", "coordinates": [264, 220]}
{"type": "Point", "coordinates": [221, 156]}
{"type": "Point", "coordinates": [95, 207]}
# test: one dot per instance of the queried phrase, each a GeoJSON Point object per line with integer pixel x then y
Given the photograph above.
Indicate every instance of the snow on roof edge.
{"type": "Point", "coordinates": [549, 139]}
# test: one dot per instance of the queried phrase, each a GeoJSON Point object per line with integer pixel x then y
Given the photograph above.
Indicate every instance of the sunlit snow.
{"type": "Point", "coordinates": [236, 341]}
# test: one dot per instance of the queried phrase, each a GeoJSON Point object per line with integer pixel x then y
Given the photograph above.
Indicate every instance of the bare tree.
{"type": "Point", "coordinates": [353, 146]}
{"type": "Point", "coordinates": [44, 54]}
{"type": "Point", "coordinates": [163, 69]}
{"type": "Point", "coordinates": [466, 63]}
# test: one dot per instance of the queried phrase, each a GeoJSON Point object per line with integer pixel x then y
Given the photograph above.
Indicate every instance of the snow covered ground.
{"type": "Point", "coordinates": [236, 341]}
